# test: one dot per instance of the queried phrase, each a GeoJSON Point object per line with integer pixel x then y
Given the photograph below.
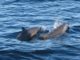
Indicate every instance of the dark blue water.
{"type": "Point", "coordinates": [15, 14]}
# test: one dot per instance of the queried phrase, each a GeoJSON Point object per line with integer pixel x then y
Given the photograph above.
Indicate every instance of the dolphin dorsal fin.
{"type": "Point", "coordinates": [23, 28]}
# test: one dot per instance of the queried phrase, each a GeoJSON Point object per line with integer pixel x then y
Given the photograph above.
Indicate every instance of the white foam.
{"type": "Point", "coordinates": [57, 24]}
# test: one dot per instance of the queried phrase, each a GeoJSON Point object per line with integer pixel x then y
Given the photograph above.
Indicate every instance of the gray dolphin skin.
{"type": "Point", "coordinates": [30, 33]}
{"type": "Point", "coordinates": [60, 30]}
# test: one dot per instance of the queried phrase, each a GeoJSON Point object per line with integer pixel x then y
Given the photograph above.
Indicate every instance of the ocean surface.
{"type": "Point", "coordinates": [15, 14]}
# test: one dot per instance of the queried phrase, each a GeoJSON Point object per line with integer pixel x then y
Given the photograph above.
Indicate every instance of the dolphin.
{"type": "Point", "coordinates": [28, 34]}
{"type": "Point", "coordinates": [60, 30]}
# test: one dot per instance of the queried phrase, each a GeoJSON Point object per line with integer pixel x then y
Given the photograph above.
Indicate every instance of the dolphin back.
{"type": "Point", "coordinates": [60, 30]}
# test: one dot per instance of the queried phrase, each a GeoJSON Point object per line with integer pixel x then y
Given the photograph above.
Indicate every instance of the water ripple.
{"type": "Point", "coordinates": [15, 14]}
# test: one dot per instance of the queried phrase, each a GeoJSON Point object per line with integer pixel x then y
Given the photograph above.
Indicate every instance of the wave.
{"type": "Point", "coordinates": [4, 2]}
{"type": "Point", "coordinates": [37, 54]}
{"type": "Point", "coordinates": [10, 35]}
{"type": "Point", "coordinates": [15, 1]}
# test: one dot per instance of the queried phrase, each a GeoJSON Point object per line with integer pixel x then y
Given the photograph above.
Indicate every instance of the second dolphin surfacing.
{"type": "Point", "coordinates": [60, 30]}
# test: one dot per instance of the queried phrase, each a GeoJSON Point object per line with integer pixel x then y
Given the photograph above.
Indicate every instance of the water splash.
{"type": "Point", "coordinates": [58, 22]}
